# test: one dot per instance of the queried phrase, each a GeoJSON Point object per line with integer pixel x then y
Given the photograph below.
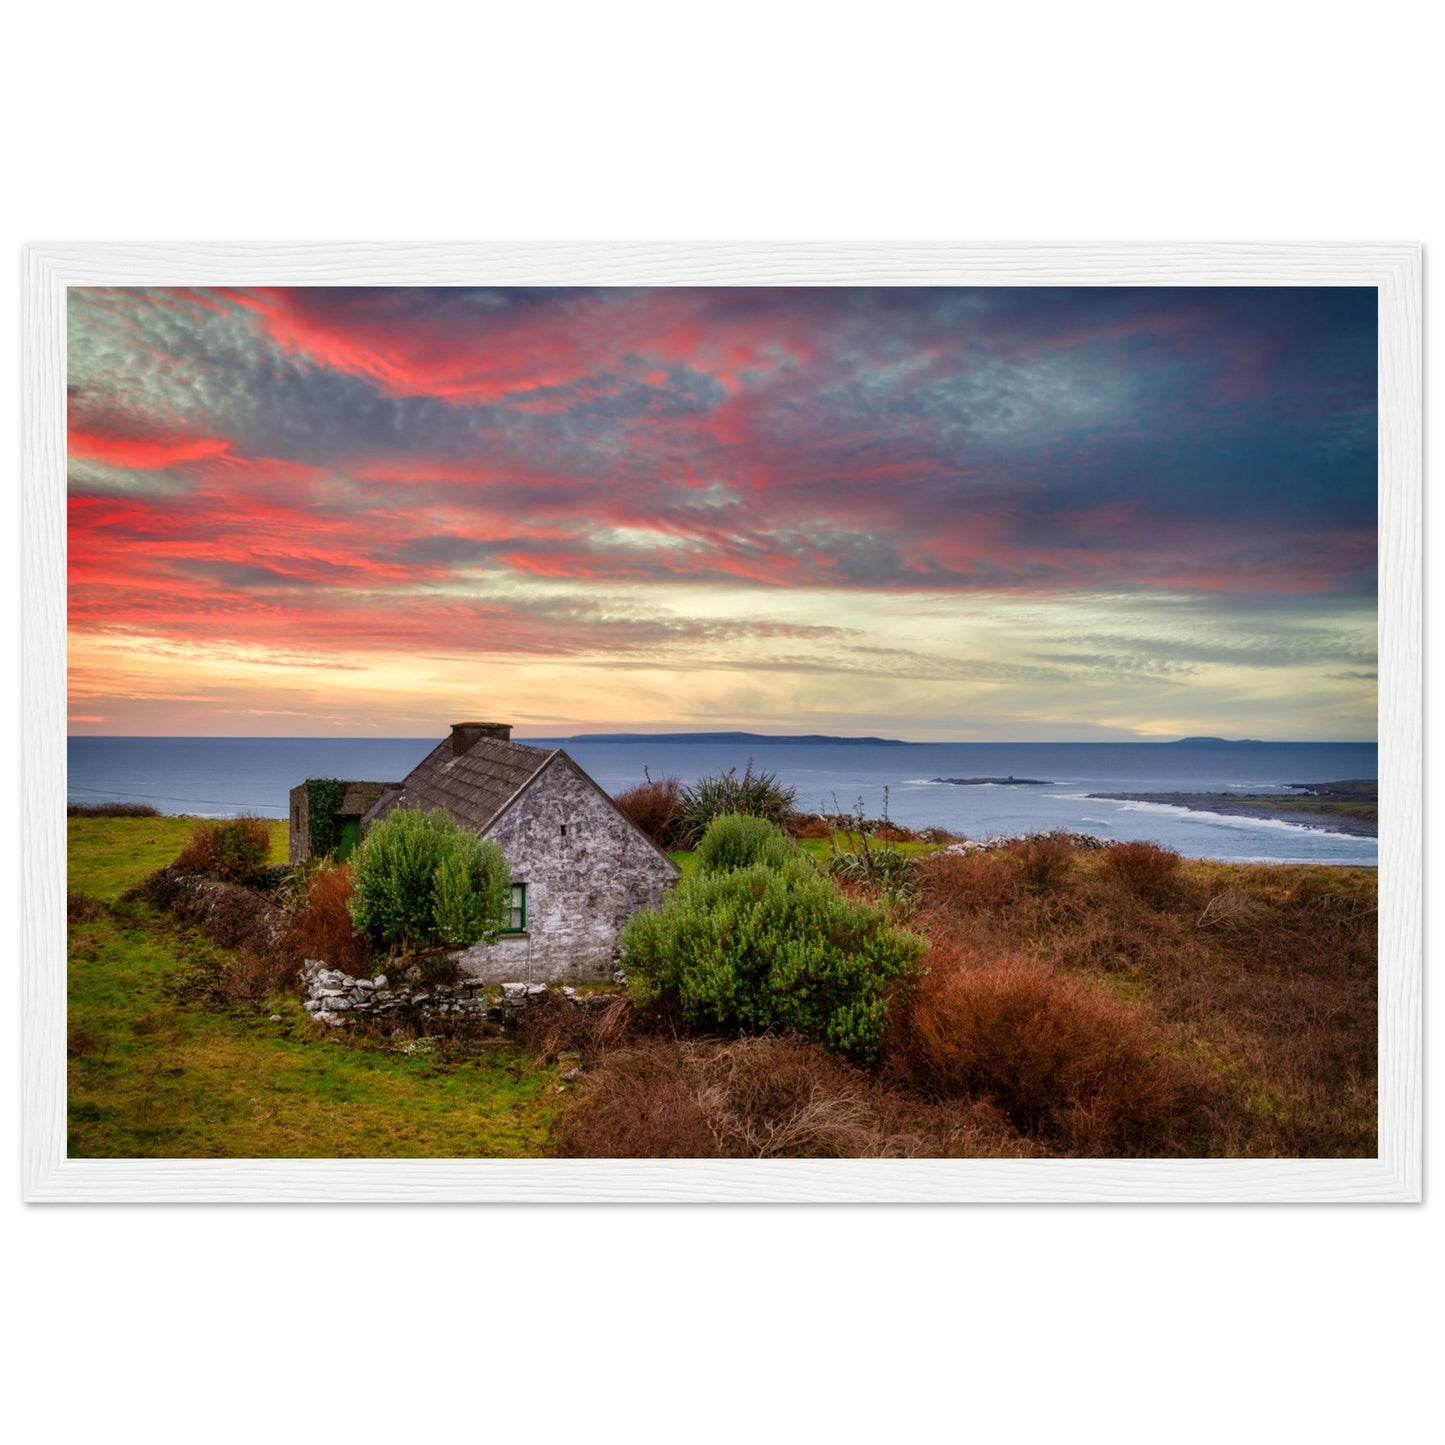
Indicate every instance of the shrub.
{"type": "Point", "coordinates": [739, 840]}
{"type": "Point", "coordinates": [874, 868]}
{"type": "Point", "coordinates": [322, 926]}
{"type": "Point", "coordinates": [226, 913]}
{"type": "Point", "coordinates": [1064, 1060]}
{"type": "Point", "coordinates": [159, 889]}
{"type": "Point", "coordinates": [82, 907]}
{"type": "Point", "coordinates": [762, 947]}
{"type": "Point", "coordinates": [762, 1098]}
{"type": "Point", "coordinates": [1146, 868]}
{"type": "Point", "coordinates": [421, 881]}
{"type": "Point", "coordinates": [1044, 860]}
{"type": "Point", "coordinates": [889, 832]}
{"type": "Point", "coordinates": [234, 851]}
{"type": "Point", "coordinates": [758, 794]}
{"type": "Point", "coordinates": [810, 825]}
{"type": "Point", "coordinates": [589, 1027]}
{"type": "Point", "coordinates": [787, 1099]}
{"type": "Point", "coordinates": [642, 1106]}
{"type": "Point", "coordinates": [653, 805]}
{"type": "Point", "coordinates": [249, 975]}
{"type": "Point", "coordinates": [968, 882]}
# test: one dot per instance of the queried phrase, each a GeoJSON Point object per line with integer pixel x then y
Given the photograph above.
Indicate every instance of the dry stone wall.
{"type": "Point", "coordinates": [336, 998]}
{"type": "Point", "coordinates": [1085, 841]}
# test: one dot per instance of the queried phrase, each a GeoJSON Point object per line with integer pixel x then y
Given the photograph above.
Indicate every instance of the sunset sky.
{"type": "Point", "coordinates": [927, 514]}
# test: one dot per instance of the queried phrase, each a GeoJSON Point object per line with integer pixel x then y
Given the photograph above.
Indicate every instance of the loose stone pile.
{"type": "Point", "coordinates": [333, 997]}
{"type": "Point", "coordinates": [1086, 841]}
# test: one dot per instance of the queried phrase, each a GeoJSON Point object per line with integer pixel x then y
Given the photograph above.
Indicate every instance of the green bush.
{"type": "Point", "coordinates": [738, 840]}
{"type": "Point", "coordinates": [421, 881]}
{"type": "Point", "coordinates": [764, 946]}
{"type": "Point", "coordinates": [760, 795]}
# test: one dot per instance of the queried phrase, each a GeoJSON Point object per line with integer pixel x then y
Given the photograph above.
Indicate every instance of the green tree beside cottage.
{"type": "Point", "coordinates": [422, 882]}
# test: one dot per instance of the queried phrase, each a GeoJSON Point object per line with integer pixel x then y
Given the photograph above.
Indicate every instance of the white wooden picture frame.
{"type": "Point", "coordinates": [1394, 1175]}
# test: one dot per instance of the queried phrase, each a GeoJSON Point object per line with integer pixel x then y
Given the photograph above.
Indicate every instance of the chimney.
{"type": "Point", "coordinates": [465, 734]}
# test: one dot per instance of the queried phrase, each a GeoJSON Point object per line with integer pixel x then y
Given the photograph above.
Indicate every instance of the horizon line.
{"type": "Point", "coordinates": [685, 735]}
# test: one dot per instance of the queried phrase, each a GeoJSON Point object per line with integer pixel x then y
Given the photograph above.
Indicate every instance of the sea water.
{"type": "Point", "coordinates": [220, 777]}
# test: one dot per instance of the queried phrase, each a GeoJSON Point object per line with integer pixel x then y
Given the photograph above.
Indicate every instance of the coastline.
{"type": "Point", "coordinates": [1324, 807]}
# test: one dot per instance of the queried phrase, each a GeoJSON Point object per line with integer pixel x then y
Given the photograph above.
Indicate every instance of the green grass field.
{"type": "Point", "coordinates": [153, 1076]}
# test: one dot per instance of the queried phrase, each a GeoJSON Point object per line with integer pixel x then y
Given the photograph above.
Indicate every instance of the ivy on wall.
{"type": "Point", "coordinates": [323, 798]}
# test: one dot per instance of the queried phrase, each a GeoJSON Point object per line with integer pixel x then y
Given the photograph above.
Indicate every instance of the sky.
{"type": "Point", "coordinates": [931, 514]}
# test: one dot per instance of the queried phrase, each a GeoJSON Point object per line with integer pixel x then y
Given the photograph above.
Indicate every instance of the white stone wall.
{"type": "Point", "coordinates": [587, 871]}
{"type": "Point", "coordinates": [336, 998]}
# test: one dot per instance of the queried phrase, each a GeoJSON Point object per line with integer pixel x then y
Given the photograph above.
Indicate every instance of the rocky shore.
{"type": "Point", "coordinates": [1349, 807]}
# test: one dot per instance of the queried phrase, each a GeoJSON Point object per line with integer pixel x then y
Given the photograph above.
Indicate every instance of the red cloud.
{"type": "Point", "coordinates": [143, 451]}
{"type": "Point", "coordinates": [464, 351]}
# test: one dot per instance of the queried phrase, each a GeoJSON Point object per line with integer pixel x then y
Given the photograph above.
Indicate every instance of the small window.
{"type": "Point", "coordinates": [564, 830]}
{"type": "Point", "coordinates": [517, 913]}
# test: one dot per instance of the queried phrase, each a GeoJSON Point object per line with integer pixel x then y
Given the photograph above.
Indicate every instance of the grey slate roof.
{"type": "Point", "coordinates": [474, 788]}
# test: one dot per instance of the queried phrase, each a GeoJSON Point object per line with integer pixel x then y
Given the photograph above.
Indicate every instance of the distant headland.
{"type": "Point", "coordinates": [807, 738]}
{"type": "Point", "coordinates": [820, 739]}
{"type": "Point", "coordinates": [750, 739]}
{"type": "Point", "coordinates": [1215, 743]}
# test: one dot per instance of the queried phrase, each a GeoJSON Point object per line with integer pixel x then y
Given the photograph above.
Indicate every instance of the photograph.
{"type": "Point", "coordinates": [722, 722]}
{"type": "Point", "coordinates": [746, 684]}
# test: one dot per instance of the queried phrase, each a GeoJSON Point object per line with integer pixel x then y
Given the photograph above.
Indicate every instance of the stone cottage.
{"type": "Point", "coordinates": [580, 867]}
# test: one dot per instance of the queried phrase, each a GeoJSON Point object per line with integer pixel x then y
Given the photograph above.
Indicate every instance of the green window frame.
{"type": "Point", "coordinates": [517, 910]}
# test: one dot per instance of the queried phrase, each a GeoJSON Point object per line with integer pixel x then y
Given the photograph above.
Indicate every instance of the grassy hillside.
{"type": "Point", "coordinates": [154, 1073]}
{"type": "Point", "coordinates": [1077, 1002]}
{"type": "Point", "coordinates": [108, 855]}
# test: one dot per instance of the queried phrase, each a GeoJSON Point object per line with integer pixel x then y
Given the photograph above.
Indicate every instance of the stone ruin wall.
{"type": "Point", "coordinates": [355, 802]}
{"type": "Point", "coordinates": [335, 998]}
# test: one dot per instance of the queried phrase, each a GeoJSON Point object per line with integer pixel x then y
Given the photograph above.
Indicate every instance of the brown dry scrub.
{"type": "Point", "coordinates": [82, 907]}
{"type": "Point", "coordinates": [763, 1098]}
{"type": "Point", "coordinates": [555, 1026]}
{"type": "Point", "coordinates": [234, 850]}
{"type": "Point", "coordinates": [322, 927]}
{"type": "Point", "coordinates": [653, 805]}
{"type": "Point", "coordinates": [1147, 868]}
{"type": "Point", "coordinates": [1066, 1061]}
{"type": "Point", "coordinates": [1264, 973]}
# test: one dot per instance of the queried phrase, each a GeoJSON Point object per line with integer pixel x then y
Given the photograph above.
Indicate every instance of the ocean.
{"type": "Point", "coordinates": [219, 777]}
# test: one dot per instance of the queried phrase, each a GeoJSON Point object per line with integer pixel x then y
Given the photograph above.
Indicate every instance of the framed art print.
{"type": "Point", "coordinates": [722, 722]}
